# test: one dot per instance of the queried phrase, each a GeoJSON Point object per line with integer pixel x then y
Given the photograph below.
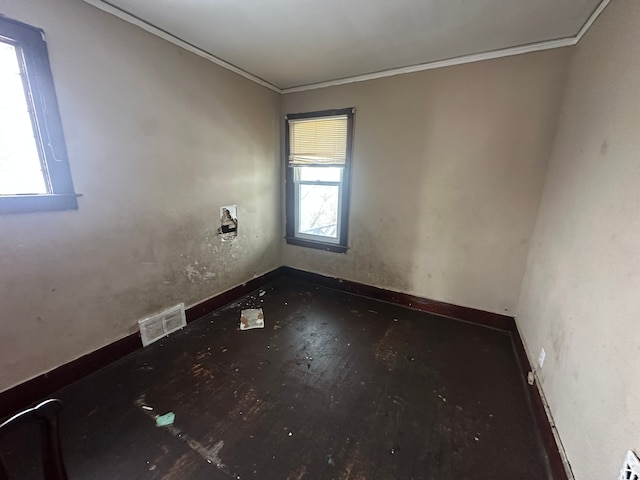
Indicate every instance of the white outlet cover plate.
{"type": "Point", "coordinates": [631, 467]}
{"type": "Point", "coordinates": [541, 357]}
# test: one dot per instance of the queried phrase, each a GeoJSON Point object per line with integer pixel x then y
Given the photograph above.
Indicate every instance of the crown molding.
{"type": "Point", "coordinates": [127, 17]}
{"type": "Point", "coordinates": [476, 57]}
{"type": "Point", "coordinates": [594, 16]}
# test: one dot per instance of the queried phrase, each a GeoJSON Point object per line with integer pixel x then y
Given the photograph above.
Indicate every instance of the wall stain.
{"type": "Point", "coordinates": [605, 146]}
{"type": "Point", "coordinates": [364, 262]}
{"type": "Point", "coordinates": [558, 342]}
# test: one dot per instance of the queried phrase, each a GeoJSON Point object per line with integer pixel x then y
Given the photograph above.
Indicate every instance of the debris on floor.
{"type": "Point", "coordinates": [251, 318]}
{"type": "Point", "coordinates": [352, 406]}
{"type": "Point", "coordinates": [165, 420]}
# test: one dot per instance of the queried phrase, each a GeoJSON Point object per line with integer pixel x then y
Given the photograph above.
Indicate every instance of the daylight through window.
{"type": "Point", "coordinates": [318, 168]}
{"type": "Point", "coordinates": [34, 172]}
{"type": "Point", "coordinates": [20, 168]}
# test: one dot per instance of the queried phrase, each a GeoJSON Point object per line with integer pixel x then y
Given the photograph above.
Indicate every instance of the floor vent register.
{"type": "Point", "coordinates": [162, 324]}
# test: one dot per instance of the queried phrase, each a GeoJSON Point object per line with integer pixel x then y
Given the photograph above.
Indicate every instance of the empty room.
{"type": "Point", "coordinates": [319, 240]}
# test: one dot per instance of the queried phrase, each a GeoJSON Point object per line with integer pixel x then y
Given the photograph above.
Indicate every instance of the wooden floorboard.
{"type": "Point", "coordinates": [336, 386]}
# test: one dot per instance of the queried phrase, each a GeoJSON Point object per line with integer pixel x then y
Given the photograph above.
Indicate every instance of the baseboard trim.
{"type": "Point", "coordinates": [26, 393]}
{"type": "Point", "coordinates": [211, 304]}
{"type": "Point", "coordinates": [494, 320]}
{"type": "Point", "coordinates": [552, 449]}
{"type": "Point", "coordinates": [488, 319]}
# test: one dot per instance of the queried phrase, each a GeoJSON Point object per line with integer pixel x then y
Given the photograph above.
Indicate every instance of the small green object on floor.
{"type": "Point", "coordinates": [165, 420]}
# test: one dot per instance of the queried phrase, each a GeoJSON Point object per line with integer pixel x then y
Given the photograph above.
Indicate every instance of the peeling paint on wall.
{"type": "Point", "coordinates": [228, 222]}
{"type": "Point", "coordinates": [145, 248]}
{"type": "Point", "coordinates": [195, 272]}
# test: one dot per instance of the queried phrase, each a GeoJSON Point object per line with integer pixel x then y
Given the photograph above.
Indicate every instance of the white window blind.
{"type": "Point", "coordinates": [318, 141]}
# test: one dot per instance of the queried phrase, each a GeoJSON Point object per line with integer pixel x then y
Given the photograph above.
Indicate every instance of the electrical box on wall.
{"type": "Point", "coordinates": [228, 222]}
{"type": "Point", "coordinates": [630, 468]}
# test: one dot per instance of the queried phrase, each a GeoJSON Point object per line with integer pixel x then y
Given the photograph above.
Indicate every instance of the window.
{"type": "Point", "coordinates": [318, 156]}
{"type": "Point", "coordinates": [34, 171]}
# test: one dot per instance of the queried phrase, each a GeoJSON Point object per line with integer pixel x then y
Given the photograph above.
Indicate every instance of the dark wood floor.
{"type": "Point", "coordinates": [335, 387]}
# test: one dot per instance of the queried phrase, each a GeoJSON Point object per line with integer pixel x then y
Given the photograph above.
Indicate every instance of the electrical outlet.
{"type": "Point", "coordinates": [630, 467]}
{"type": "Point", "coordinates": [541, 357]}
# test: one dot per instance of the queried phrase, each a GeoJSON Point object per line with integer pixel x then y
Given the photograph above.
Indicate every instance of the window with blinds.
{"type": "Point", "coordinates": [318, 141]}
{"type": "Point", "coordinates": [318, 156]}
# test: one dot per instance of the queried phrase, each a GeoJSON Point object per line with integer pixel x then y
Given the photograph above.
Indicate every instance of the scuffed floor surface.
{"type": "Point", "coordinates": [335, 386]}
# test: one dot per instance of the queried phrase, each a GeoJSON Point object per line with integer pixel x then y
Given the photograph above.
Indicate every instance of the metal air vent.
{"type": "Point", "coordinates": [162, 324]}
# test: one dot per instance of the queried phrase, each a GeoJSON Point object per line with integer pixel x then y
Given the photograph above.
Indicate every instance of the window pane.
{"type": "Point", "coordinates": [20, 168]}
{"type": "Point", "coordinates": [319, 174]}
{"type": "Point", "coordinates": [319, 210]}
{"type": "Point", "coordinates": [320, 141]}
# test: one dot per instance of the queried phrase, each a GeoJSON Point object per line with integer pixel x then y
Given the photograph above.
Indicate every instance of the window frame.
{"type": "Point", "coordinates": [298, 183]}
{"type": "Point", "coordinates": [33, 58]}
{"type": "Point", "coordinates": [292, 189]}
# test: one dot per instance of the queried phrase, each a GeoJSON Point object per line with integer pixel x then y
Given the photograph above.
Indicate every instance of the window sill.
{"type": "Point", "coordinates": [38, 203]}
{"type": "Point", "coordinates": [329, 247]}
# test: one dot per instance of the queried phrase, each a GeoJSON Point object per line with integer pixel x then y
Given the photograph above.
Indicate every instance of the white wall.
{"type": "Point", "coordinates": [158, 140]}
{"type": "Point", "coordinates": [581, 293]}
{"type": "Point", "coordinates": [448, 167]}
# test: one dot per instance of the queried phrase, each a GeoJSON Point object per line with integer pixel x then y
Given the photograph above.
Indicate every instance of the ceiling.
{"type": "Point", "coordinates": [296, 43]}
